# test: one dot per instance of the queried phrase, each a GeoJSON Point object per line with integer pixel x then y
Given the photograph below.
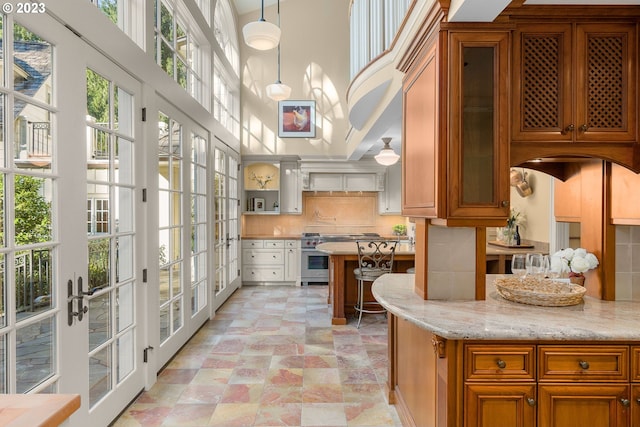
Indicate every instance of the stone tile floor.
{"type": "Point", "coordinates": [271, 357]}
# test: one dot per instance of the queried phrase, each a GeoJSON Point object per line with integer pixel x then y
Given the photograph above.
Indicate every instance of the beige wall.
{"type": "Point", "coordinates": [314, 63]}
{"type": "Point", "coordinates": [537, 207]}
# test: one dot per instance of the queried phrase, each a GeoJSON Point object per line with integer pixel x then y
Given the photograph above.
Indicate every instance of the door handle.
{"type": "Point", "coordinates": [82, 309]}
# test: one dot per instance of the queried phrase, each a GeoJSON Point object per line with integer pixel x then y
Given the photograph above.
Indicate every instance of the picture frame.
{"type": "Point", "coordinates": [259, 204]}
{"type": "Point", "coordinates": [297, 119]}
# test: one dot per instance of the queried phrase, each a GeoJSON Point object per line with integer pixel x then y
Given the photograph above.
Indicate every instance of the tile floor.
{"type": "Point", "coordinates": [271, 357]}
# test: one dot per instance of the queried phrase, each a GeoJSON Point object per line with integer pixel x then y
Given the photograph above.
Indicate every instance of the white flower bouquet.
{"type": "Point", "coordinates": [575, 262]}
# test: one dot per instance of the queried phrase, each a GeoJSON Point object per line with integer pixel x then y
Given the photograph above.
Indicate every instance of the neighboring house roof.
{"type": "Point", "coordinates": [33, 60]}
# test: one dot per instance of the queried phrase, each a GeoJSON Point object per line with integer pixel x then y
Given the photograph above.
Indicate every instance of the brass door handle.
{"type": "Point", "coordinates": [583, 364]}
{"type": "Point", "coordinates": [583, 128]}
{"type": "Point", "coordinates": [501, 364]}
{"type": "Point", "coordinates": [531, 401]}
{"type": "Point", "coordinates": [568, 129]}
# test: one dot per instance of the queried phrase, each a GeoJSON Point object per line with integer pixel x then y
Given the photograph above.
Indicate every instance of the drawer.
{"type": "Point", "coordinates": [504, 362]}
{"type": "Point", "coordinates": [259, 244]}
{"type": "Point", "coordinates": [262, 274]}
{"type": "Point", "coordinates": [262, 257]}
{"type": "Point", "coordinates": [274, 244]}
{"type": "Point", "coordinates": [583, 363]}
{"type": "Point", "coordinates": [635, 364]}
{"type": "Point", "coordinates": [291, 244]}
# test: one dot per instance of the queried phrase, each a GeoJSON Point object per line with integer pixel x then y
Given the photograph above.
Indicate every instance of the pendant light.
{"type": "Point", "coordinates": [278, 91]}
{"type": "Point", "coordinates": [387, 156]}
{"type": "Point", "coordinates": [260, 34]}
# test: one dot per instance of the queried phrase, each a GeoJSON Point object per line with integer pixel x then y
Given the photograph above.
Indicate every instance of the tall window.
{"type": "Point", "coordinates": [178, 52]}
{"type": "Point", "coordinates": [224, 30]}
{"type": "Point", "coordinates": [27, 249]}
{"type": "Point", "coordinates": [127, 15]}
{"type": "Point", "coordinates": [171, 195]}
{"type": "Point", "coordinates": [226, 100]}
{"type": "Point", "coordinates": [198, 223]}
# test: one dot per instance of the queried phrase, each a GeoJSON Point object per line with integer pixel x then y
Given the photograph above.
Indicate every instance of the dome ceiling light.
{"type": "Point", "coordinates": [278, 91]}
{"type": "Point", "coordinates": [387, 156]}
{"type": "Point", "coordinates": [260, 34]}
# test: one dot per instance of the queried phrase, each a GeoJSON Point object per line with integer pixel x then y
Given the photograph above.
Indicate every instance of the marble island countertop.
{"type": "Point", "coordinates": [498, 319]}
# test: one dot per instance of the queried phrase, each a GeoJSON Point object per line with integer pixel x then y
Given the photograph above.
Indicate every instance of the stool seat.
{"type": "Point", "coordinates": [375, 258]}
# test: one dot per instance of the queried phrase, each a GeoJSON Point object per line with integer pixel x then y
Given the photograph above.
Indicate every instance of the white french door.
{"type": "Point", "coordinates": [180, 189]}
{"type": "Point", "coordinates": [226, 216]}
{"type": "Point", "coordinates": [72, 300]}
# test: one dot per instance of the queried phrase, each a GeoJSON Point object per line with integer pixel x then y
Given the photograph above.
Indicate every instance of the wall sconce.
{"type": "Point", "coordinates": [387, 156]}
{"type": "Point", "coordinates": [278, 91]}
{"type": "Point", "coordinates": [260, 34]}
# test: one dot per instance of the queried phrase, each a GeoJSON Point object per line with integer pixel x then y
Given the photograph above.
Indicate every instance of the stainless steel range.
{"type": "Point", "coordinates": [315, 264]}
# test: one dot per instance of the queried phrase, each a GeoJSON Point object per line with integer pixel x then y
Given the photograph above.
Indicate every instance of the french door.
{"type": "Point", "coordinates": [180, 185]}
{"type": "Point", "coordinates": [226, 216]}
{"type": "Point", "coordinates": [72, 298]}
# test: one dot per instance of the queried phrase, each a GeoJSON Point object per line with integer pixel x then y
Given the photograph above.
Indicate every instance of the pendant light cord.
{"type": "Point", "coordinates": [279, 82]}
{"type": "Point", "coordinates": [262, 12]}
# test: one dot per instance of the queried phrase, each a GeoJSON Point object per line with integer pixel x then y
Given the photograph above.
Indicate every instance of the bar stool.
{"type": "Point", "coordinates": [375, 258]}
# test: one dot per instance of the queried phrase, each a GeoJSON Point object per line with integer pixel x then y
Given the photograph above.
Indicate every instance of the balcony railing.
{"type": "Point", "coordinates": [373, 27]}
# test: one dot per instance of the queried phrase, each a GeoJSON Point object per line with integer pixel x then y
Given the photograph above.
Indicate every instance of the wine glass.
{"type": "Point", "coordinates": [534, 265]}
{"type": "Point", "coordinates": [546, 266]}
{"type": "Point", "coordinates": [519, 265]}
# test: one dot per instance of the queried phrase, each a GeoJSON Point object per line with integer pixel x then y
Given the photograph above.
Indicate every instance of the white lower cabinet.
{"type": "Point", "coordinates": [270, 261]}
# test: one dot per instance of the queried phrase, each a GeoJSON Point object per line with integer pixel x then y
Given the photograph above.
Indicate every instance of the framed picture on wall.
{"type": "Point", "coordinates": [296, 119]}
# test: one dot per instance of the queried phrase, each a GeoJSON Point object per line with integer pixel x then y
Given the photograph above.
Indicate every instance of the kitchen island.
{"type": "Point", "coordinates": [499, 363]}
{"type": "Point", "coordinates": [343, 259]}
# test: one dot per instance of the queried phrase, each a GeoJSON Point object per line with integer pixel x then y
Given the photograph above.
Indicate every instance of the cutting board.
{"type": "Point", "coordinates": [504, 245]}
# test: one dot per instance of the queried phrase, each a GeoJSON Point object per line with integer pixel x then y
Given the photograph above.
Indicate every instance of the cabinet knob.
{"type": "Point", "coordinates": [568, 129]}
{"type": "Point", "coordinates": [531, 401]}
{"type": "Point", "coordinates": [625, 402]}
{"type": "Point", "coordinates": [501, 364]}
{"type": "Point", "coordinates": [583, 364]}
{"type": "Point", "coordinates": [505, 203]}
{"type": "Point", "coordinates": [583, 128]}
{"type": "Point", "coordinates": [638, 400]}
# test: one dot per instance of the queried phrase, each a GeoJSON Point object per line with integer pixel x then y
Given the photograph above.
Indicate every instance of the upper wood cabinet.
{"type": "Point", "coordinates": [574, 82]}
{"type": "Point", "coordinates": [455, 145]}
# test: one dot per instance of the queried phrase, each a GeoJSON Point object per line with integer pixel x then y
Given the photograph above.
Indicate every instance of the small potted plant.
{"type": "Point", "coordinates": [400, 230]}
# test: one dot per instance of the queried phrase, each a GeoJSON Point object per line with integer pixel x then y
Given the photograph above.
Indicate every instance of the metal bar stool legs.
{"type": "Point", "coordinates": [375, 258]}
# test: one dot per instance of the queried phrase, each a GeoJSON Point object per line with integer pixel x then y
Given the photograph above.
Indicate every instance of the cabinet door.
{"type": "Point", "coordinates": [606, 79]}
{"type": "Point", "coordinates": [290, 188]}
{"type": "Point", "coordinates": [478, 155]}
{"type": "Point", "coordinates": [504, 405]}
{"type": "Point", "coordinates": [390, 199]}
{"type": "Point", "coordinates": [596, 405]}
{"type": "Point", "coordinates": [291, 262]}
{"type": "Point", "coordinates": [360, 182]}
{"type": "Point", "coordinates": [542, 83]}
{"type": "Point", "coordinates": [635, 405]}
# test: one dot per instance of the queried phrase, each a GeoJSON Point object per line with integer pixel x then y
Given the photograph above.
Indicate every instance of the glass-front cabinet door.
{"type": "Point", "coordinates": [478, 143]}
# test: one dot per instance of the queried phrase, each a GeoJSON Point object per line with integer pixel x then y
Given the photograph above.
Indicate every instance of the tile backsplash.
{"type": "Point", "coordinates": [627, 263]}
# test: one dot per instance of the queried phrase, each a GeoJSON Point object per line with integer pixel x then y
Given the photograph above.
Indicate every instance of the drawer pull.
{"type": "Point", "coordinates": [531, 401]}
{"type": "Point", "coordinates": [583, 364]}
{"type": "Point", "coordinates": [638, 400]}
{"type": "Point", "coordinates": [501, 364]}
{"type": "Point", "coordinates": [625, 402]}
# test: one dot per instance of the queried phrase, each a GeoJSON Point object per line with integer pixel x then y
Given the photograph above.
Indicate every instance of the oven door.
{"type": "Point", "coordinates": [315, 267]}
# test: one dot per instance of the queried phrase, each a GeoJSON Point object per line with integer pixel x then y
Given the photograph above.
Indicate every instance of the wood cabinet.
{"type": "Point", "coordinates": [624, 185]}
{"type": "Point", "coordinates": [292, 261]}
{"type": "Point", "coordinates": [455, 144]}
{"type": "Point", "coordinates": [439, 382]}
{"type": "Point", "coordinates": [574, 90]}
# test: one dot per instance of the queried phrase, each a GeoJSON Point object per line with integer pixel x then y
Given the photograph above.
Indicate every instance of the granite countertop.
{"type": "Point", "coordinates": [498, 319]}
{"type": "Point", "coordinates": [350, 248]}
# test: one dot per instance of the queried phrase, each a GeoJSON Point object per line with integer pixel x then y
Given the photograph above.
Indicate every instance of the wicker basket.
{"type": "Point", "coordinates": [544, 292]}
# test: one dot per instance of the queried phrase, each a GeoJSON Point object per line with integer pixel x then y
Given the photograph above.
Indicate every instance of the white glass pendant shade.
{"type": "Point", "coordinates": [278, 91]}
{"type": "Point", "coordinates": [387, 156]}
{"type": "Point", "coordinates": [261, 35]}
